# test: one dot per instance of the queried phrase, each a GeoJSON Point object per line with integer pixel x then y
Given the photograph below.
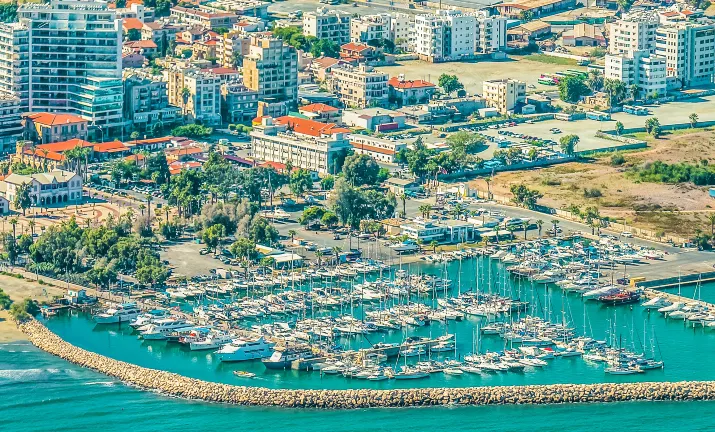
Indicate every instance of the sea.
{"type": "Point", "coordinates": [39, 392]}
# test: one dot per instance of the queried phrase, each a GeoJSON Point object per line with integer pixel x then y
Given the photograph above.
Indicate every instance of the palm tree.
{"type": "Point", "coordinates": [185, 94]}
{"type": "Point", "coordinates": [488, 181]}
{"type": "Point", "coordinates": [555, 223]}
{"type": "Point", "coordinates": [32, 224]}
{"type": "Point", "coordinates": [167, 210]}
{"type": "Point", "coordinates": [149, 199]}
{"type": "Point", "coordinates": [635, 91]}
{"type": "Point", "coordinates": [496, 233]}
{"type": "Point", "coordinates": [539, 224]}
{"type": "Point", "coordinates": [525, 226]}
{"type": "Point", "coordinates": [319, 255]}
{"type": "Point", "coordinates": [13, 222]}
{"type": "Point", "coordinates": [711, 219]}
{"type": "Point", "coordinates": [292, 234]}
{"type": "Point", "coordinates": [511, 229]}
{"type": "Point", "coordinates": [434, 244]}
{"type": "Point", "coordinates": [403, 197]}
{"type": "Point", "coordinates": [336, 251]}
{"type": "Point", "coordinates": [141, 208]}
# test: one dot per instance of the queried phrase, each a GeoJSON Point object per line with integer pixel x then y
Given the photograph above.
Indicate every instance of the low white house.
{"type": "Point", "coordinates": [51, 188]}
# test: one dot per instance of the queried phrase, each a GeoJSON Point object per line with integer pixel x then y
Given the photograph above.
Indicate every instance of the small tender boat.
{"type": "Point", "coordinates": [244, 374]}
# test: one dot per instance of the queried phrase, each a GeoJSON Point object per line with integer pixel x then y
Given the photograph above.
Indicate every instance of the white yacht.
{"type": "Point", "coordinates": [406, 246]}
{"type": "Point", "coordinates": [599, 292]}
{"type": "Point", "coordinates": [656, 303]}
{"type": "Point", "coordinates": [240, 350]}
{"type": "Point", "coordinates": [212, 341]}
{"type": "Point", "coordinates": [160, 329]}
{"type": "Point", "coordinates": [124, 312]}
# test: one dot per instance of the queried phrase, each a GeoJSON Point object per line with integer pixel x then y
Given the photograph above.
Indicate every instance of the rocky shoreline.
{"type": "Point", "coordinates": [180, 386]}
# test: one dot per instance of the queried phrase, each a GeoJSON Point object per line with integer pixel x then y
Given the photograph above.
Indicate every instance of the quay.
{"type": "Point", "coordinates": [180, 386]}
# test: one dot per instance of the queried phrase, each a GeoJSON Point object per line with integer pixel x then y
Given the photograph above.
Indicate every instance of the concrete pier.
{"type": "Point", "coordinates": [180, 386]}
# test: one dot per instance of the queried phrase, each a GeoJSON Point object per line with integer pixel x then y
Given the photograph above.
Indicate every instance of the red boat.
{"type": "Point", "coordinates": [620, 298]}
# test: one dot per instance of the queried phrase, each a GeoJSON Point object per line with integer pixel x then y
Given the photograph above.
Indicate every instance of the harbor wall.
{"type": "Point", "coordinates": [189, 388]}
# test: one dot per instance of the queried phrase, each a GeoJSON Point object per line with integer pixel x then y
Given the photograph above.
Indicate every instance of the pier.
{"type": "Point", "coordinates": [184, 387]}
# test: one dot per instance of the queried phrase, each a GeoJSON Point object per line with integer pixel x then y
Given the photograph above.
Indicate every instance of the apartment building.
{"type": "Point", "coordinates": [231, 48]}
{"type": "Point", "coordinates": [370, 27]}
{"type": "Point", "coordinates": [70, 61]}
{"type": "Point", "coordinates": [11, 127]}
{"type": "Point", "coordinates": [410, 92]}
{"type": "Point", "coordinates": [504, 94]}
{"type": "Point", "coordinates": [327, 24]}
{"type": "Point", "coordinates": [640, 68]}
{"type": "Point", "coordinates": [634, 32]}
{"type": "Point", "coordinates": [449, 35]}
{"type": "Point", "coordinates": [689, 52]}
{"type": "Point", "coordinates": [360, 87]}
{"type": "Point", "coordinates": [250, 8]}
{"type": "Point", "coordinates": [306, 144]}
{"type": "Point", "coordinates": [271, 69]}
{"type": "Point", "coordinates": [210, 20]}
{"type": "Point", "coordinates": [238, 102]}
{"type": "Point", "coordinates": [204, 101]}
{"type": "Point", "coordinates": [44, 128]}
{"type": "Point", "coordinates": [146, 103]}
{"type": "Point", "coordinates": [402, 31]}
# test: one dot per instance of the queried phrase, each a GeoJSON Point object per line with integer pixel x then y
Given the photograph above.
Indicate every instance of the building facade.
{"type": "Point", "coordinates": [45, 128]}
{"type": "Point", "coordinates": [74, 61]}
{"type": "Point", "coordinates": [689, 52]}
{"type": "Point", "coordinates": [204, 101]}
{"type": "Point", "coordinates": [50, 188]}
{"type": "Point", "coordinates": [306, 144]}
{"type": "Point", "coordinates": [146, 103]}
{"type": "Point", "coordinates": [11, 128]}
{"type": "Point", "coordinates": [360, 87]}
{"type": "Point", "coordinates": [382, 150]}
{"type": "Point", "coordinates": [327, 24]}
{"type": "Point", "coordinates": [639, 68]}
{"type": "Point", "coordinates": [504, 94]}
{"type": "Point", "coordinates": [635, 32]}
{"type": "Point", "coordinates": [271, 69]}
{"type": "Point", "coordinates": [370, 27]}
{"type": "Point", "coordinates": [238, 102]}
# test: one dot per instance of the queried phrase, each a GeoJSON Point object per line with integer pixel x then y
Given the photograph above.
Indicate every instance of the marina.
{"type": "Point", "coordinates": [539, 312]}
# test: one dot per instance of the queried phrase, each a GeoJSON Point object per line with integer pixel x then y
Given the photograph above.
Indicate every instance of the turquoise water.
{"type": "Point", "coordinates": [41, 393]}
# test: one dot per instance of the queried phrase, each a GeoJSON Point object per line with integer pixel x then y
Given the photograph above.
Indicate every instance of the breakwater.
{"type": "Point", "coordinates": [180, 386]}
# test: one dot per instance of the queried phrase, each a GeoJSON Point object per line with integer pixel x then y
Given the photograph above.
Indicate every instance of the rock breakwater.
{"type": "Point", "coordinates": [180, 386]}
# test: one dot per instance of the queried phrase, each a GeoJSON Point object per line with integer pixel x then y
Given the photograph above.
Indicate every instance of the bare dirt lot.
{"type": "Point", "coordinates": [673, 208]}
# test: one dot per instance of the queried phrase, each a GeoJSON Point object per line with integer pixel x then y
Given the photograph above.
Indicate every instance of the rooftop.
{"type": "Point", "coordinates": [51, 119]}
{"type": "Point", "coordinates": [310, 127]}
{"type": "Point", "coordinates": [407, 84]}
{"type": "Point", "coordinates": [318, 108]}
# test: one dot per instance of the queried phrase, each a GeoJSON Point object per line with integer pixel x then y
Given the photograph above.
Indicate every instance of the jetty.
{"type": "Point", "coordinates": [184, 387]}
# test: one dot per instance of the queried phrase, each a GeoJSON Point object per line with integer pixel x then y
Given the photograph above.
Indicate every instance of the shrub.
{"type": "Point", "coordinates": [592, 193]}
{"type": "Point", "coordinates": [618, 159]}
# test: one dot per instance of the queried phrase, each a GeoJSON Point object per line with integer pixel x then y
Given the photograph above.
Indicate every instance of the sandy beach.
{"type": "Point", "coordinates": [18, 290]}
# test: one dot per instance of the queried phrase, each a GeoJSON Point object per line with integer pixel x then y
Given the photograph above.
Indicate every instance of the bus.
{"type": "Point", "coordinates": [629, 109]}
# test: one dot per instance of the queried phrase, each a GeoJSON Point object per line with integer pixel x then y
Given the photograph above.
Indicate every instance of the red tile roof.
{"type": "Point", "coordinates": [51, 119]}
{"type": "Point", "coordinates": [318, 108]}
{"type": "Point", "coordinates": [110, 147]}
{"type": "Point", "coordinates": [141, 44]}
{"type": "Point", "coordinates": [63, 146]}
{"type": "Point", "coordinates": [355, 46]}
{"type": "Point", "coordinates": [367, 147]}
{"type": "Point", "coordinates": [184, 151]}
{"type": "Point", "coordinates": [326, 62]}
{"type": "Point", "coordinates": [221, 71]}
{"type": "Point", "coordinates": [407, 84]}
{"type": "Point", "coordinates": [45, 154]}
{"type": "Point", "coordinates": [310, 127]}
{"type": "Point", "coordinates": [132, 24]}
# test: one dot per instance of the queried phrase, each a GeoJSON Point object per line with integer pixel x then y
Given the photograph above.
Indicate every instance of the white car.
{"type": "Point", "coordinates": [627, 234]}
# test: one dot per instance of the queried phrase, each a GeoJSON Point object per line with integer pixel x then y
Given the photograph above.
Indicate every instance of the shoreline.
{"type": "Point", "coordinates": [172, 384]}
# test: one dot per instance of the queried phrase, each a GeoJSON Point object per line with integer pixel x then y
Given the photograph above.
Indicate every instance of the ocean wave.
{"type": "Point", "coordinates": [102, 383]}
{"type": "Point", "coordinates": [28, 374]}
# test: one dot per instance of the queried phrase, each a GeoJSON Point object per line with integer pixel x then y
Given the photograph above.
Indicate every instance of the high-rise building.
{"type": "Point", "coordinates": [370, 27]}
{"type": "Point", "coordinates": [360, 87]}
{"type": "Point", "coordinates": [146, 103]}
{"type": "Point", "coordinates": [638, 68]}
{"type": "Point", "coordinates": [10, 123]}
{"type": "Point", "coordinates": [327, 24]}
{"type": "Point", "coordinates": [402, 31]}
{"type": "Point", "coordinates": [450, 35]}
{"type": "Point", "coordinates": [231, 48]}
{"type": "Point", "coordinates": [504, 94]}
{"type": "Point", "coordinates": [74, 52]}
{"type": "Point", "coordinates": [271, 69]}
{"type": "Point", "coordinates": [634, 32]}
{"type": "Point", "coordinates": [689, 51]}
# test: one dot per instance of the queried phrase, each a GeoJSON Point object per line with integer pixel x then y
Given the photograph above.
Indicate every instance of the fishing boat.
{"type": "Point", "coordinates": [124, 312]}
{"type": "Point", "coordinates": [621, 298]}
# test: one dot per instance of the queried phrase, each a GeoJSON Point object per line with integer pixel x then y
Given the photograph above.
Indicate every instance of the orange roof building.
{"type": "Point", "coordinates": [410, 92]}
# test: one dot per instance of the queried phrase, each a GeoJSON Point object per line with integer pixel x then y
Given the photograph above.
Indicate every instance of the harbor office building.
{"type": "Point", "coordinates": [307, 144]}
{"type": "Point", "coordinates": [449, 231]}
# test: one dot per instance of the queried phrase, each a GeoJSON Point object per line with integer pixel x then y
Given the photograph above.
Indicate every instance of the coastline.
{"type": "Point", "coordinates": [176, 385]}
{"type": "Point", "coordinates": [9, 331]}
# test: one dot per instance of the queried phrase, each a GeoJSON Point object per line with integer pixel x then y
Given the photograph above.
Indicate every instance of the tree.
{"type": "Point", "coordinates": [571, 88]}
{"type": "Point", "coordinates": [619, 128]}
{"type": "Point", "coordinates": [360, 169]}
{"type": "Point", "coordinates": [192, 131]}
{"type": "Point", "coordinates": [693, 120]}
{"type": "Point", "coordinates": [262, 232]}
{"type": "Point", "coordinates": [539, 225]}
{"type": "Point", "coordinates": [134, 35]}
{"type": "Point", "coordinates": [464, 142]}
{"type": "Point", "coordinates": [23, 199]}
{"type": "Point", "coordinates": [525, 196]}
{"type": "Point", "coordinates": [450, 83]}
{"type": "Point", "coordinates": [292, 234]}
{"type": "Point", "coordinates": [8, 12]}
{"type": "Point", "coordinates": [325, 47]}
{"type": "Point", "coordinates": [434, 245]}
{"type": "Point", "coordinates": [244, 249]}
{"type": "Point", "coordinates": [212, 236]}
{"type": "Point", "coordinates": [5, 300]}
{"type": "Point", "coordinates": [327, 182]}
{"type": "Point", "coordinates": [652, 127]}
{"type": "Point", "coordinates": [568, 144]}
{"type": "Point", "coordinates": [526, 16]}
{"type": "Point", "coordinates": [634, 91]}
{"type": "Point", "coordinates": [425, 210]}
{"type": "Point", "coordinates": [625, 5]}
{"type": "Point", "coordinates": [616, 90]}
{"type": "Point", "coordinates": [311, 215]}
{"type": "Point", "coordinates": [300, 182]}
{"type": "Point", "coordinates": [329, 219]}
{"type": "Point", "coordinates": [336, 251]}
{"type": "Point", "coordinates": [319, 256]}
{"type": "Point", "coordinates": [595, 80]}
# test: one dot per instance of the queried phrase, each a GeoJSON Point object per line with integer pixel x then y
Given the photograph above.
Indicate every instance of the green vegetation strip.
{"type": "Point", "coordinates": [180, 386]}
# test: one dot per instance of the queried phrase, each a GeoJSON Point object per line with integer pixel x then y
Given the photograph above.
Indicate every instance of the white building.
{"type": "Point", "coordinates": [402, 31]}
{"type": "Point", "coordinates": [689, 51]}
{"type": "Point", "coordinates": [504, 94]}
{"type": "Point", "coordinates": [69, 60]}
{"type": "Point", "coordinates": [54, 187]}
{"type": "Point", "coordinates": [639, 68]}
{"type": "Point", "coordinates": [204, 102]}
{"type": "Point", "coordinates": [635, 32]}
{"type": "Point", "coordinates": [327, 24]}
{"type": "Point", "coordinates": [449, 35]}
{"type": "Point", "coordinates": [306, 144]}
{"type": "Point", "coordinates": [382, 150]}
{"type": "Point", "coordinates": [359, 87]}
{"type": "Point", "coordinates": [370, 27]}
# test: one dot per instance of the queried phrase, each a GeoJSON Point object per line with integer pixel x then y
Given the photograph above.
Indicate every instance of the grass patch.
{"type": "Point", "coordinates": [17, 276]}
{"type": "Point", "coordinates": [542, 58]}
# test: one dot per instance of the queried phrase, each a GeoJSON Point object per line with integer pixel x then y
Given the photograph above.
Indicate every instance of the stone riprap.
{"type": "Point", "coordinates": [180, 386]}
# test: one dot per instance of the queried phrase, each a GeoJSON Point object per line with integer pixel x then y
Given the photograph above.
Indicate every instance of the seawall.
{"type": "Point", "coordinates": [180, 386]}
